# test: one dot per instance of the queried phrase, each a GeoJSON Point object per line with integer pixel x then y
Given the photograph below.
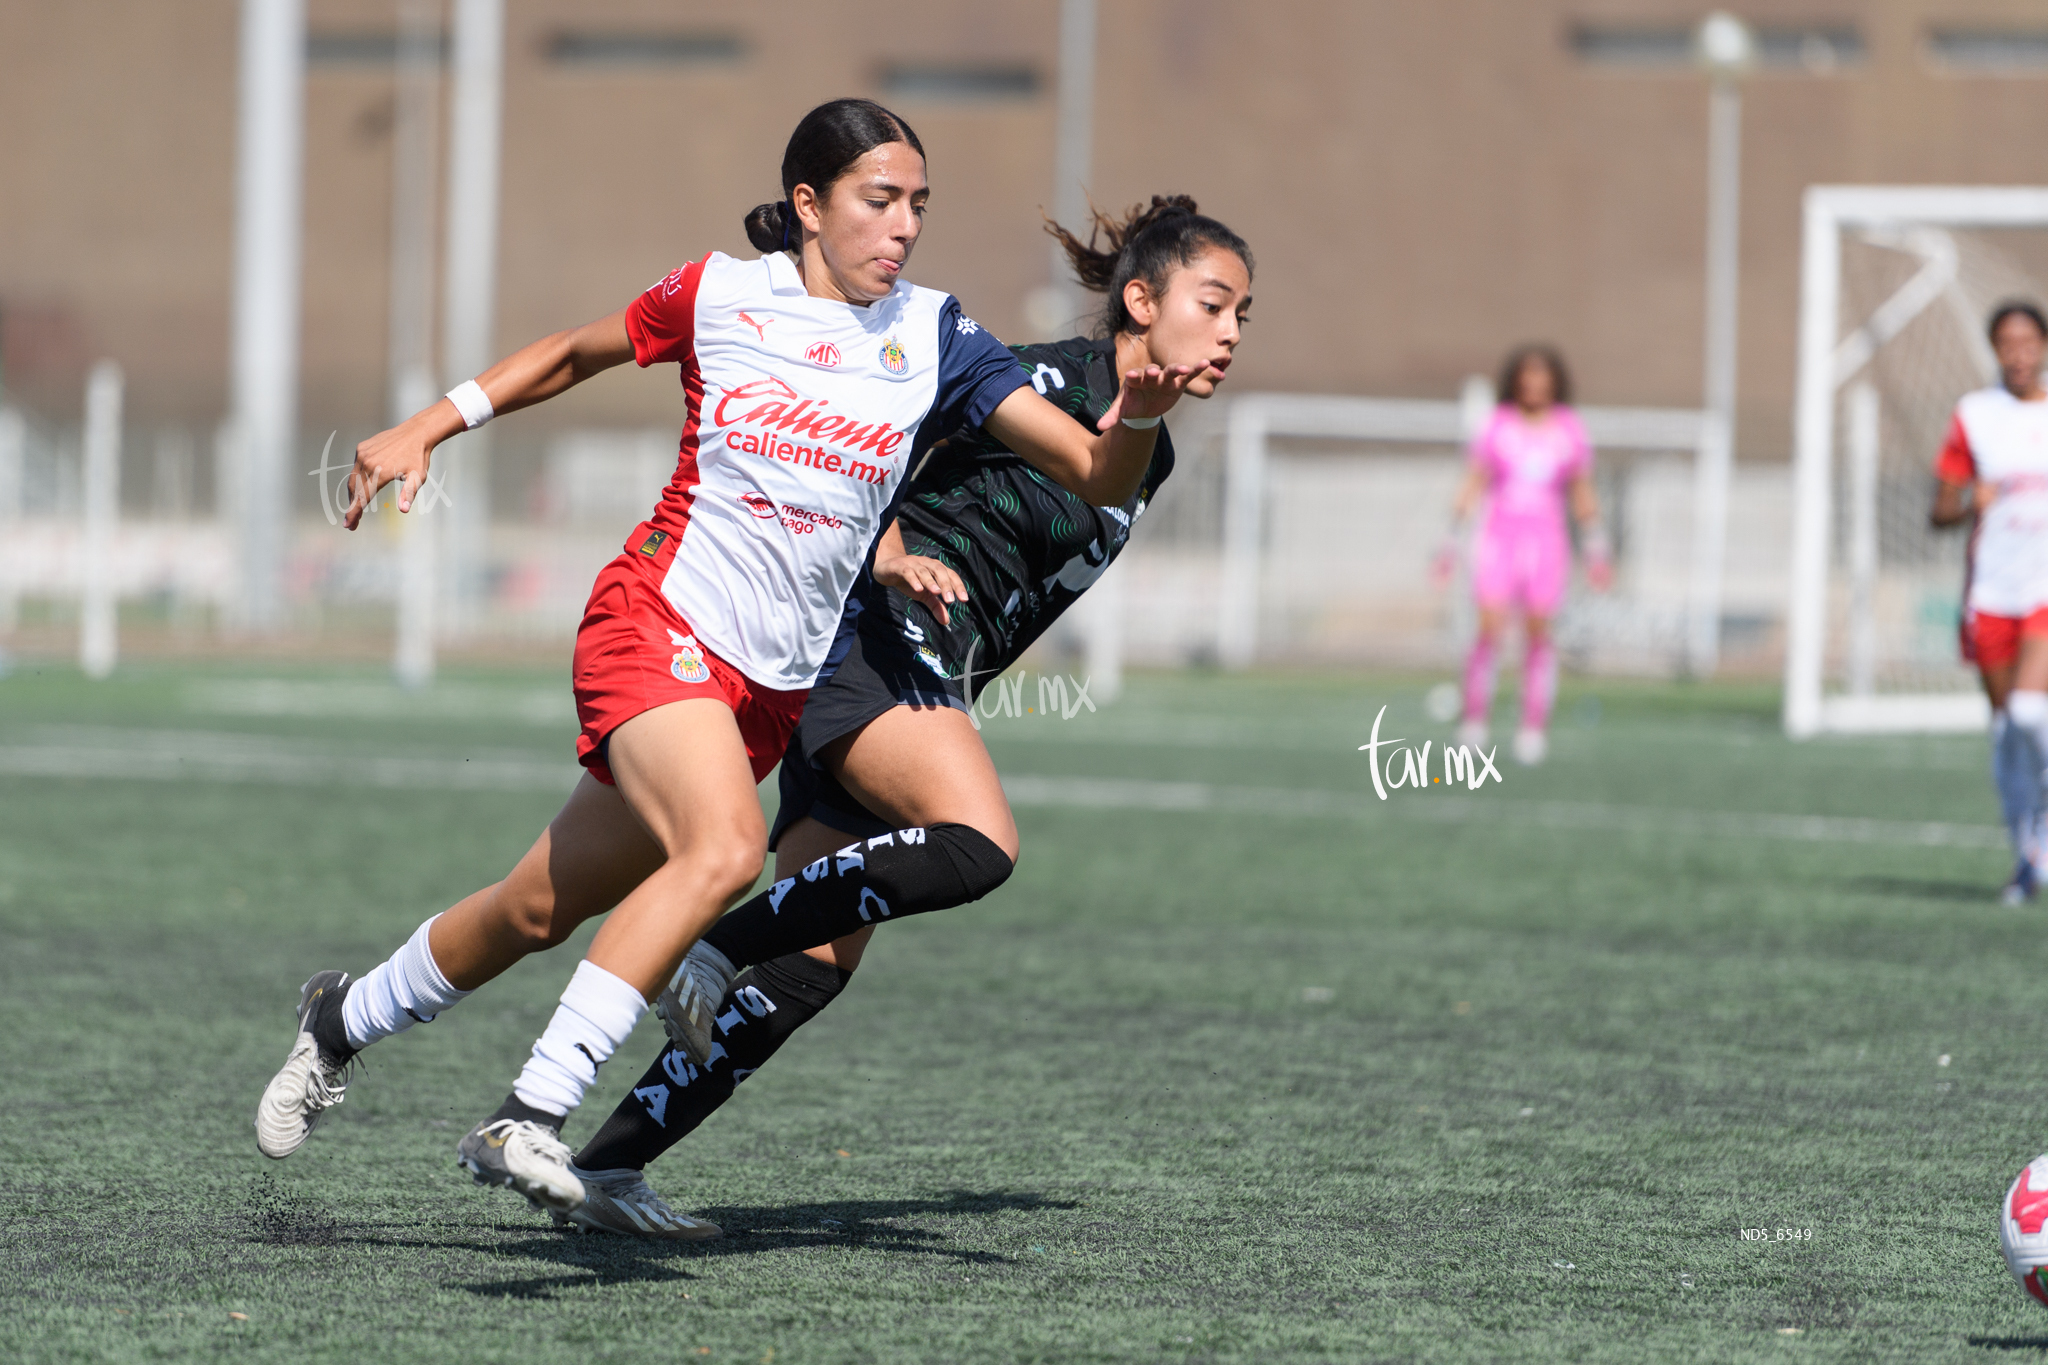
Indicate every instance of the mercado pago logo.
{"type": "Point", "coordinates": [800, 521]}
{"type": "Point", "coordinates": [767, 417]}
{"type": "Point", "coordinates": [1404, 765]}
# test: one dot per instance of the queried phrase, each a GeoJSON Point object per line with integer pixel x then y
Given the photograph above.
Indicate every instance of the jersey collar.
{"type": "Point", "coordinates": [782, 276]}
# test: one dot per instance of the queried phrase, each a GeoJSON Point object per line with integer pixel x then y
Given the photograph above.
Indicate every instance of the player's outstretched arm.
{"type": "Point", "coordinates": [532, 374]}
{"type": "Point", "coordinates": [1107, 468]}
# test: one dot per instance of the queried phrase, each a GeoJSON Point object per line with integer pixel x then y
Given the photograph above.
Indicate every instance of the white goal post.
{"type": "Point", "coordinates": [1254, 419]}
{"type": "Point", "coordinates": [1916, 221]}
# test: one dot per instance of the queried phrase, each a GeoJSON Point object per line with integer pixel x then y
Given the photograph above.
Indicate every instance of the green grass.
{"type": "Point", "coordinates": [1498, 1076]}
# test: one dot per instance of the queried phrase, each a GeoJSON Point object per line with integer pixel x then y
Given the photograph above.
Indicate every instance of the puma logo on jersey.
{"type": "Point", "coordinates": [760, 328]}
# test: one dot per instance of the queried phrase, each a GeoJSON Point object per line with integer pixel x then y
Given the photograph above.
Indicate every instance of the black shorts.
{"type": "Point", "coordinates": [880, 671]}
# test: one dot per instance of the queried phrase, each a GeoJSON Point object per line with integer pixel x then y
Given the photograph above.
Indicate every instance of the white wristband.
{"type": "Point", "coordinates": [1141, 423]}
{"type": "Point", "coordinates": [473, 403]}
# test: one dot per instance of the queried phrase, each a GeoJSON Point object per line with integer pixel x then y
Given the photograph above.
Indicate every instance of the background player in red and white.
{"type": "Point", "coordinates": [1530, 461]}
{"type": "Point", "coordinates": [812, 379]}
{"type": "Point", "coordinates": [1994, 465]}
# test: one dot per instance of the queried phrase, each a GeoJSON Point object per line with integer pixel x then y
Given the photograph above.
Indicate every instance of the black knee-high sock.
{"type": "Point", "coordinates": [766, 1004]}
{"type": "Point", "coordinates": [889, 876]}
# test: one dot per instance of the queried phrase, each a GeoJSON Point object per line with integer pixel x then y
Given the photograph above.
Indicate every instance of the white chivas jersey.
{"type": "Point", "coordinates": [1997, 439]}
{"type": "Point", "coordinates": [802, 421]}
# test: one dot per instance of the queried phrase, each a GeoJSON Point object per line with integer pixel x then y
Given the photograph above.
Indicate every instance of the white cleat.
{"type": "Point", "coordinates": [1531, 747]}
{"type": "Point", "coordinates": [310, 1082]}
{"type": "Point", "coordinates": [522, 1156]}
{"type": "Point", "coordinates": [623, 1202]}
{"type": "Point", "coordinates": [690, 1004]}
{"type": "Point", "coordinates": [1472, 734]}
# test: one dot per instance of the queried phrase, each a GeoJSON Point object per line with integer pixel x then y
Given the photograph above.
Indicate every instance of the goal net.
{"type": "Point", "coordinates": [1299, 528]}
{"type": "Point", "coordinates": [1896, 286]}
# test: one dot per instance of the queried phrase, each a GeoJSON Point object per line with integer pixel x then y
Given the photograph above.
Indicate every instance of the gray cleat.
{"type": "Point", "coordinates": [689, 1007]}
{"type": "Point", "coordinates": [622, 1201]}
{"type": "Point", "coordinates": [525, 1157]}
{"type": "Point", "coordinates": [311, 1081]}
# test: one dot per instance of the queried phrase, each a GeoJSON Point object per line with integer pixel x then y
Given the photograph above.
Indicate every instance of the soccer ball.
{"type": "Point", "coordinates": [2023, 1229]}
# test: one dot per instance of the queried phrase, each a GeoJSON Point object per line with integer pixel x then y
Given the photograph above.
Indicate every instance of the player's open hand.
{"type": "Point", "coordinates": [400, 455]}
{"type": "Point", "coordinates": [1150, 391]}
{"type": "Point", "coordinates": [927, 580]}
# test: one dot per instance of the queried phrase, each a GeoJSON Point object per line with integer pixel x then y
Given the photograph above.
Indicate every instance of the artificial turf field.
{"type": "Point", "coordinates": [1243, 1063]}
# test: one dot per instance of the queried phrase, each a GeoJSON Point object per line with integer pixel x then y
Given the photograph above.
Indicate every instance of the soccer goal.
{"type": "Point", "coordinates": [1895, 287]}
{"type": "Point", "coordinates": [1330, 506]}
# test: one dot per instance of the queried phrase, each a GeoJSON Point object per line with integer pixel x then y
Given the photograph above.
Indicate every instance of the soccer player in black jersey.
{"type": "Point", "coordinates": [984, 554]}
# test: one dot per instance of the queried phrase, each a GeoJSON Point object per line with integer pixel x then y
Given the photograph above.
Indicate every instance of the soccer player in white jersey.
{"type": "Point", "coordinates": [1994, 465]}
{"type": "Point", "coordinates": [813, 377]}
{"type": "Point", "coordinates": [984, 556]}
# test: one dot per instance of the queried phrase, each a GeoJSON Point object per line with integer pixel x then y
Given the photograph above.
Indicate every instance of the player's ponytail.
{"type": "Point", "coordinates": [770, 227]}
{"type": "Point", "coordinates": [824, 147]}
{"type": "Point", "coordinates": [1148, 243]}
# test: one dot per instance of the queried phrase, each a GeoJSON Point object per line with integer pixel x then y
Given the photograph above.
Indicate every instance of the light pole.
{"type": "Point", "coordinates": [1725, 49]}
{"type": "Point", "coordinates": [263, 388]}
{"type": "Point", "coordinates": [469, 284]}
{"type": "Point", "coordinates": [410, 386]}
{"type": "Point", "coordinates": [1053, 307]}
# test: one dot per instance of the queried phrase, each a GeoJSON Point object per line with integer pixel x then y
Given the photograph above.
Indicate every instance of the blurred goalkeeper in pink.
{"type": "Point", "coordinates": [1530, 462]}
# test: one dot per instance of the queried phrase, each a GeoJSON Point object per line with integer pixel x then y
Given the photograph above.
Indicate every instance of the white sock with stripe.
{"type": "Point", "coordinates": [597, 1014]}
{"type": "Point", "coordinates": [404, 990]}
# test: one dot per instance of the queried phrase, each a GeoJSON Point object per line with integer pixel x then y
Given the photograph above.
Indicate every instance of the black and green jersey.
{"type": "Point", "coordinates": [1026, 547]}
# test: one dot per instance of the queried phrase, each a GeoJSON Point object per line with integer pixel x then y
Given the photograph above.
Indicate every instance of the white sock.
{"type": "Point", "coordinates": [2014, 772]}
{"type": "Point", "coordinates": [404, 990]}
{"type": "Point", "coordinates": [597, 1012]}
{"type": "Point", "coordinates": [2027, 712]}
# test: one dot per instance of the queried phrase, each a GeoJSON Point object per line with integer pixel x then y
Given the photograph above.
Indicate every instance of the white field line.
{"type": "Point", "coordinates": [376, 701]}
{"type": "Point", "coordinates": [196, 755]}
{"type": "Point", "coordinates": [1122, 794]}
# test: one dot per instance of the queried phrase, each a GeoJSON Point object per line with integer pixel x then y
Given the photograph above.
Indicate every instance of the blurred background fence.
{"type": "Point", "coordinates": [288, 218]}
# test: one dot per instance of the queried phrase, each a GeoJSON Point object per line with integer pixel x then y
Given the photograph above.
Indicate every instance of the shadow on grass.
{"type": "Point", "coordinates": [1976, 893]}
{"type": "Point", "coordinates": [2008, 1343]}
{"type": "Point", "coordinates": [597, 1261]}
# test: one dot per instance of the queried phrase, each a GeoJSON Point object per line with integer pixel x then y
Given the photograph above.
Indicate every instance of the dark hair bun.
{"type": "Point", "coordinates": [1148, 243]}
{"type": "Point", "coordinates": [767, 229]}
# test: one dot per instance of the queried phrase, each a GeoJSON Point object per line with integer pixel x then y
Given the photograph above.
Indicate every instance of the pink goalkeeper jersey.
{"type": "Point", "coordinates": [1529, 467]}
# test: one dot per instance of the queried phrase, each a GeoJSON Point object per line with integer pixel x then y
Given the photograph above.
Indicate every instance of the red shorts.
{"type": "Point", "coordinates": [1994, 641]}
{"type": "Point", "coordinates": [634, 653]}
